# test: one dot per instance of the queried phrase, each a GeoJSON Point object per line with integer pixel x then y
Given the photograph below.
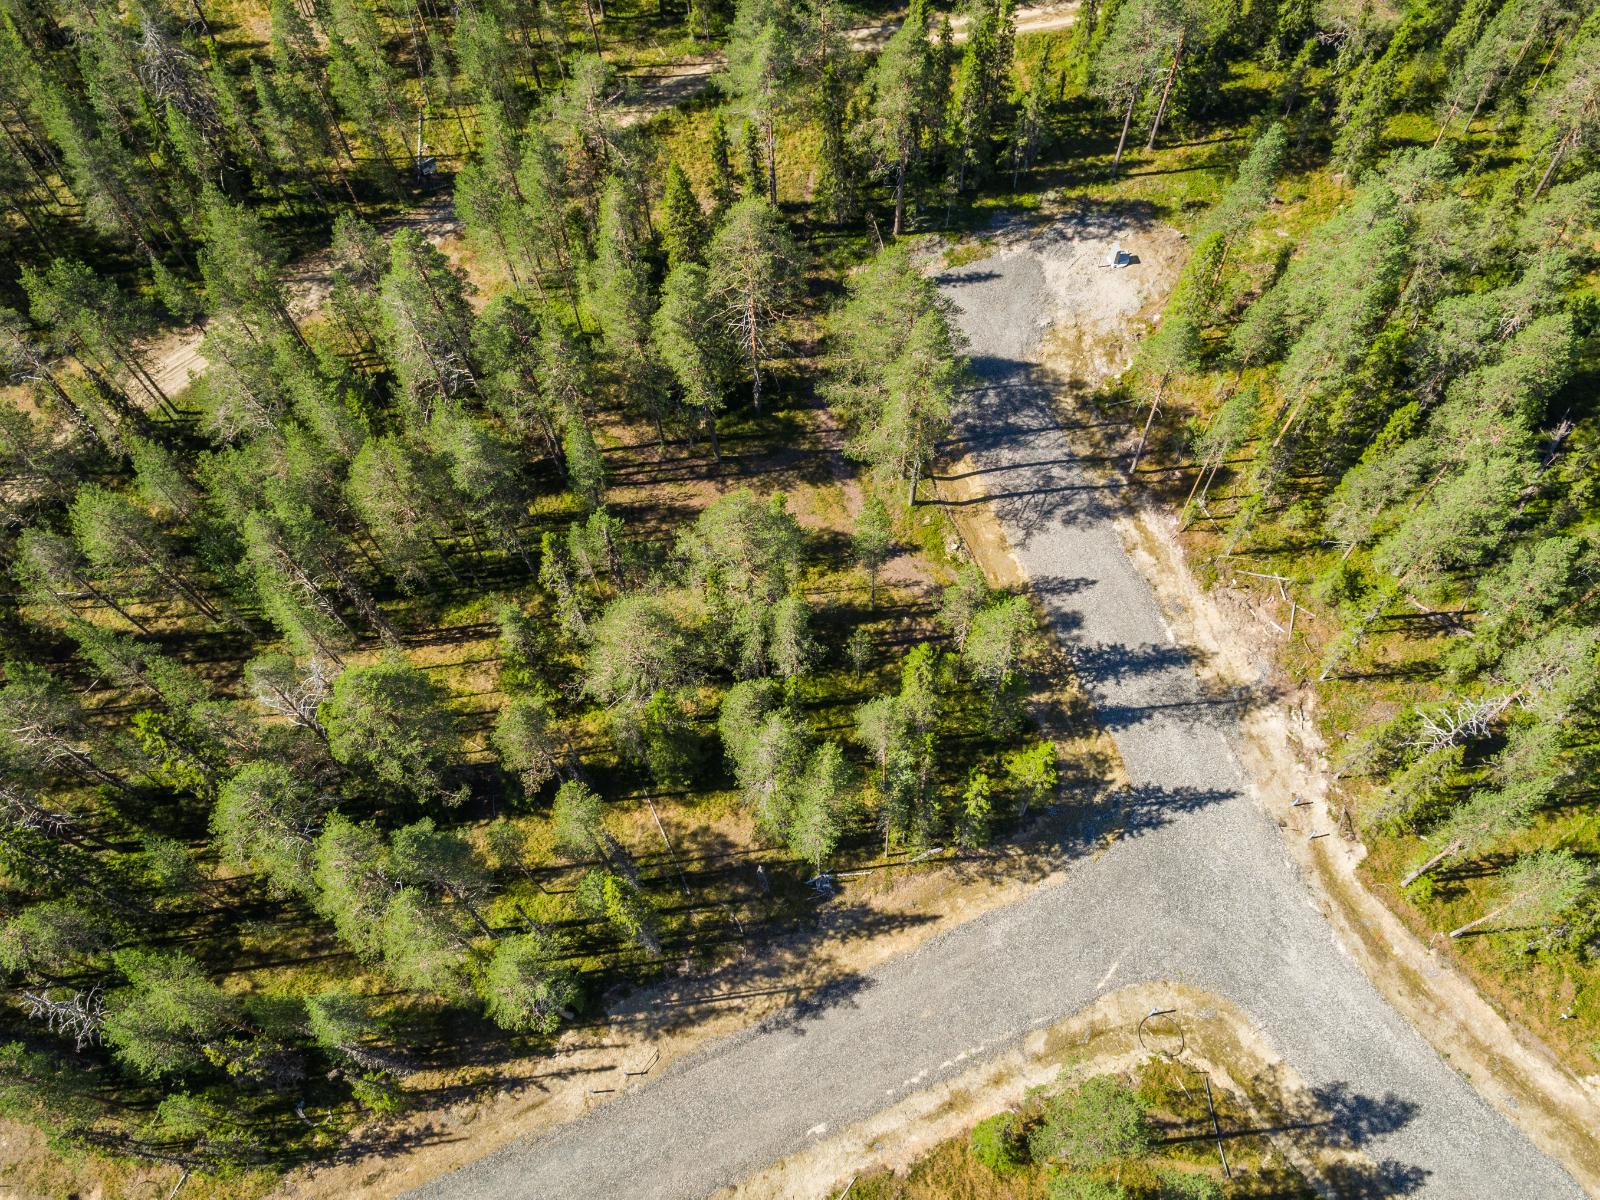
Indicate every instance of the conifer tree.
{"type": "Point", "coordinates": [621, 299]}
{"type": "Point", "coordinates": [267, 820]}
{"type": "Point", "coordinates": [724, 180]}
{"type": "Point", "coordinates": [814, 823]}
{"type": "Point", "coordinates": [683, 232]}
{"type": "Point", "coordinates": [691, 342]}
{"type": "Point", "coordinates": [428, 323]}
{"type": "Point", "coordinates": [586, 473]}
{"type": "Point", "coordinates": [349, 864]}
{"type": "Point", "coordinates": [528, 744]}
{"type": "Point", "coordinates": [761, 71]}
{"type": "Point", "coordinates": [119, 539]}
{"type": "Point", "coordinates": [162, 1023]}
{"type": "Point", "coordinates": [638, 649]}
{"type": "Point", "coordinates": [92, 317]}
{"type": "Point", "coordinates": [1141, 41]}
{"type": "Point", "coordinates": [398, 489]}
{"type": "Point", "coordinates": [754, 277]}
{"type": "Point", "coordinates": [505, 345]}
{"type": "Point", "coordinates": [872, 541]}
{"type": "Point", "coordinates": [525, 986]}
{"type": "Point", "coordinates": [1537, 887]}
{"type": "Point", "coordinates": [981, 86]}
{"type": "Point", "coordinates": [391, 720]}
{"type": "Point", "coordinates": [239, 263]}
{"type": "Point", "coordinates": [901, 89]}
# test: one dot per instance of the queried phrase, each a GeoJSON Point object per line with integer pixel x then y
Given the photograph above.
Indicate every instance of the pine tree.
{"type": "Point", "coordinates": [240, 263]}
{"type": "Point", "coordinates": [691, 342]}
{"type": "Point", "coordinates": [1141, 41]}
{"type": "Point", "coordinates": [683, 232]}
{"type": "Point", "coordinates": [766, 746]}
{"type": "Point", "coordinates": [505, 345]}
{"type": "Point", "coordinates": [981, 85]}
{"type": "Point", "coordinates": [424, 948]}
{"type": "Point", "coordinates": [118, 539]}
{"type": "Point", "coordinates": [872, 542]}
{"type": "Point", "coordinates": [761, 71]}
{"type": "Point", "coordinates": [993, 651]}
{"type": "Point", "coordinates": [160, 1023]}
{"type": "Point", "coordinates": [267, 820]}
{"type": "Point", "coordinates": [814, 823]}
{"type": "Point", "coordinates": [638, 649]}
{"type": "Point", "coordinates": [354, 887]}
{"type": "Point", "coordinates": [391, 720]}
{"type": "Point", "coordinates": [619, 901]}
{"type": "Point", "coordinates": [621, 299]}
{"type": "Point", "coordinates": [528, 744]}
{"type": "Point", "coordinates": [526, 988]}
{"type": "Point", "coordinates": [1565, 113]}
{"type": "Point", "coordinates": [753, 278]}
{"type": "Point", "coordinates": [397, 488]}
{"type": "Point", "coordinates": [52, 939]}
{"type": "Point", "coordinates": [443, 863]}
{"type": "Point", "coordinates": [484, 469]}
{"type": "Point", "coordinates": [901, 89]}
{"type": "Point", "coordinates": [92, 317]}
{"type": "Point", "coordinates": [428, 324]}
{"type": "Point", "coordinates": [900, 367]}
{"type": "Point", "coordinates": [1537, 887]}
{"type": "Point", "coordinates": [742, 557]}
{"type": "Point", "coordinates": [586, 473]}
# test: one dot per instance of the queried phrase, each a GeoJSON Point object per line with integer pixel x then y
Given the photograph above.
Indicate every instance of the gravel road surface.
{"type": "Point", "coordinates": [1197, 888]}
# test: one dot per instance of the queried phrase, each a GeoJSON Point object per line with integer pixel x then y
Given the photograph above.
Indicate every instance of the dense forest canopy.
{"type": "Point", "coordinates": [257, 859]}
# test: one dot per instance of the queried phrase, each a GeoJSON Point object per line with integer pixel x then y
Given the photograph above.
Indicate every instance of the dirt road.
{"type": "Point", "coordinates": [1181, 876]}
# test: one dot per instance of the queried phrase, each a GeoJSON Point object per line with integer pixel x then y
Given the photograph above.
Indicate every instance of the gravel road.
{"type": "Point", "coordinates": [1197, 888]}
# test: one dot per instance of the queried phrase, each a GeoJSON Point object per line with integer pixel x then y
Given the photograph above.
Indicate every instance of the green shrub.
{"type": "Point", "coordinates": [1186, 1185]}
{"type": "Point", "coordinates": [997, 1143]}
{"type": "Point", "coordinates": [1093, 1124]}
{"type": "Point", "coordinates": [1085, 1187]}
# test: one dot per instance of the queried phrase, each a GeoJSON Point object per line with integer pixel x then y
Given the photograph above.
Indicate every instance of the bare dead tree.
{"type": "Point", "coordinates": [80, 1014]}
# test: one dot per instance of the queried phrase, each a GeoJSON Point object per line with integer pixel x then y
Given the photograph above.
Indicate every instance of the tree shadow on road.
{"type": "Point", "coordinates": [804, 971]}
{"type": "Point", "coordinates": [1142, 808]}
{"type": "Point", "coordinates": [1376, 1181]}
{"type": "Point", "coordinates": [1012, 438]}
{"type": "Point", "coordinates": [1345, 1121]}
{"type": "Point", "coordinates": [1354, 1119]}
{"type": "Point", "coordinates": [1108, 662]}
